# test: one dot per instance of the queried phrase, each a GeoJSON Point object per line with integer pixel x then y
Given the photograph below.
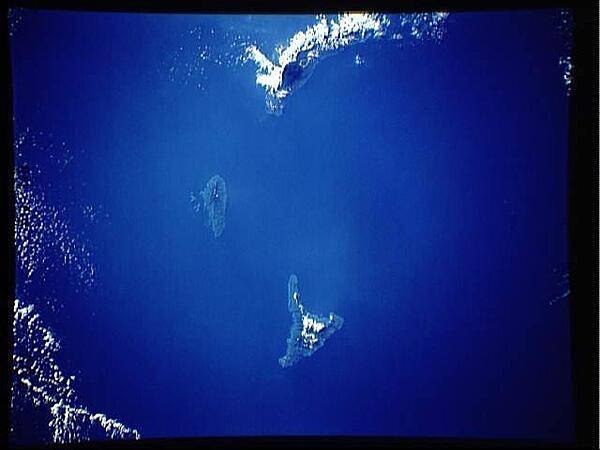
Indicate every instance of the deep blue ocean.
{"type": "Point", "coordinates": [418, 191]}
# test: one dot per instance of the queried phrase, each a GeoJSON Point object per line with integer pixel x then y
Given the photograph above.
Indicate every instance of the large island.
{"type": "Point", "coordinates": [309, 331]}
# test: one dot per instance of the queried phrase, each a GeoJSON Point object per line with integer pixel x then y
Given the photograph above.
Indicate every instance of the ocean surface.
{"type": "Point", "coordinates": [410, 170]}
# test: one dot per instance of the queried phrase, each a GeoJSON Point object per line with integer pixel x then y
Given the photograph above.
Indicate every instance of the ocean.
{"type": "Point", "coordinates": [412, 173]}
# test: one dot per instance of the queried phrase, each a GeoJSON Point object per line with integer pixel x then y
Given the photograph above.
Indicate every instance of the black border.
{"type": "Point", "coordinates": [583, 212]}
{"type": "Point", "coordinates": [583, 223]}
{"type": "Point", "coordinates": [290, 6]}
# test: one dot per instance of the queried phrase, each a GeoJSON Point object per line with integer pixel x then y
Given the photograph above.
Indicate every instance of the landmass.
{"type": "Point", "coordinates": [308, 331]}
